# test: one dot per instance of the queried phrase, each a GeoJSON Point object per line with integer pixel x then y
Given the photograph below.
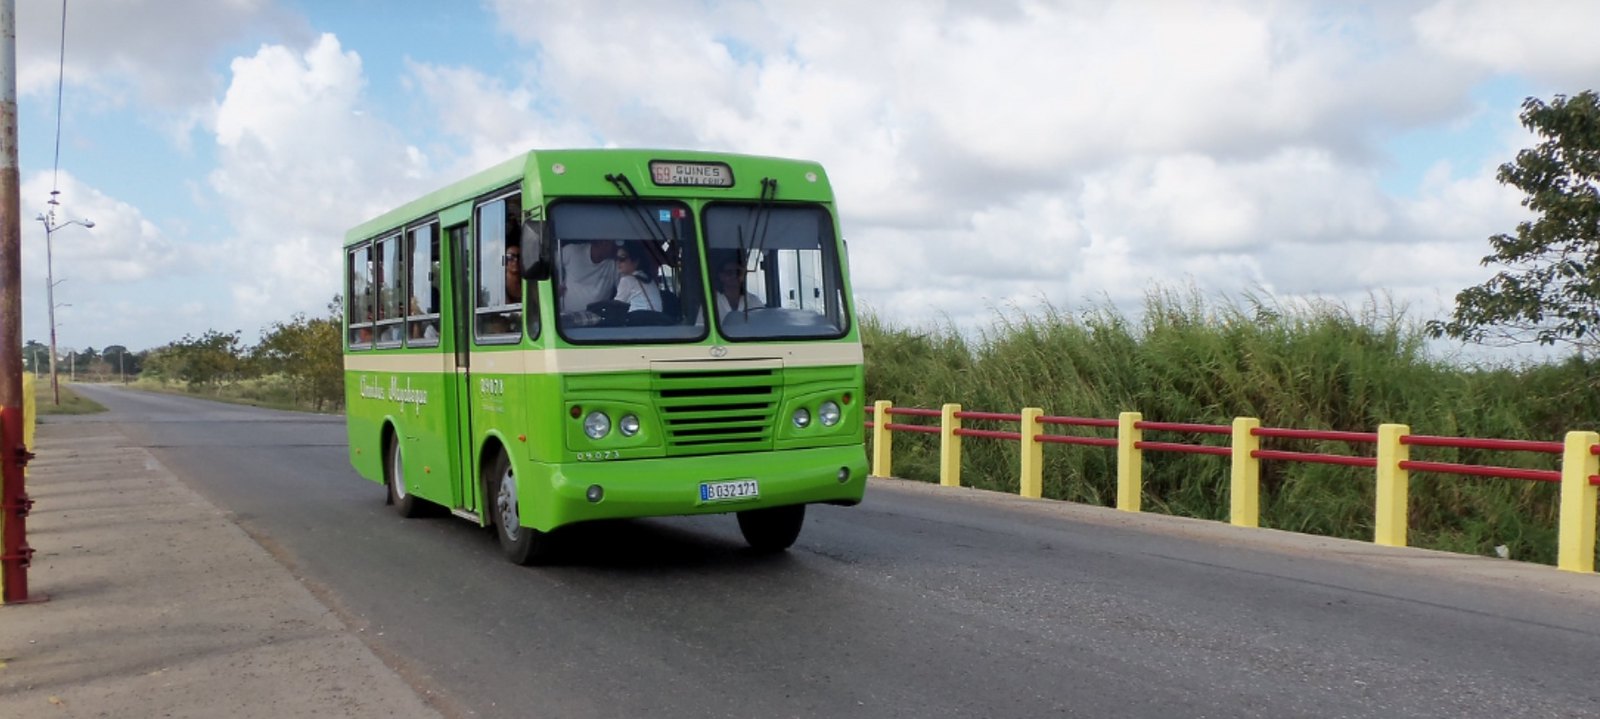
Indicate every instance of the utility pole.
{"type": "Point", "coordinates": [50, 226]}
{"type": "Point", "coordinates": [14, 551]}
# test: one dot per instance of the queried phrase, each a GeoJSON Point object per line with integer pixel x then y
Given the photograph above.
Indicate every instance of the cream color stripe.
{"type": "Point", "coordinates": [614, 359]}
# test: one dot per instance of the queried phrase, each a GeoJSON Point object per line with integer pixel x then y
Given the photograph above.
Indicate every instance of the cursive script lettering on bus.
{"type": "Point", "coordinates": [372, 388]}
{"type": "Point", "coordinates": [407, 395]}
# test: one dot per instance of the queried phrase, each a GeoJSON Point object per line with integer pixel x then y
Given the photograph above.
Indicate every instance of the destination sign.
{"type": "Point", "coordinates": [700, 174]}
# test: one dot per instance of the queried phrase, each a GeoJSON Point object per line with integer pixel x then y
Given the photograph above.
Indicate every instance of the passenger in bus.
{"type": "Point", "coordinates": [513, 261]}
{"type": "Point", "coordinates": [636, 282]}
{"type": "Point", "coordinates": [588, 274]}
{"type": "Point", "coordinates": [364, 335]}
{"type": "Point", "coordinates": [509, 321]}
{"type": "Point", "coordinates": [731, 294]}
{"type": "Point", "coordinates": [422, 329]}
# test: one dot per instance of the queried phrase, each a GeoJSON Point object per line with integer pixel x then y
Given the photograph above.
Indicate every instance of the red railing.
{"type": "Point", "coordinates": [1185, 427]}
{"type": "Point", "coordinates": [1391, 442]}
{"type": "Point", "coordinates": [1480, 470]}
{"type": "Point", "coordinates": [1315, 435]}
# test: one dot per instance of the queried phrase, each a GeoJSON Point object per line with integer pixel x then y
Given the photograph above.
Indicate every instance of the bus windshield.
{"type": "Point", "coordinates": [627, 272]}
{"type": "Point", "coordinates": [777, 271]}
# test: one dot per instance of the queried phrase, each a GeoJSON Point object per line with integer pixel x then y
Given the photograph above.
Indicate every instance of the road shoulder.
{"type": "Point", "coordinates": [159, 605]}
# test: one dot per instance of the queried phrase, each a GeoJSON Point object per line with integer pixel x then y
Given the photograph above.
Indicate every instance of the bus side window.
{"type": "Point", "coordinates": [358, 305]}
{"type": "Point", "coordinates": [423, 306]}
{"type": "Point", "coordinates": [498, 306]}
{"type": "Point", "coordinates": [390, 270]}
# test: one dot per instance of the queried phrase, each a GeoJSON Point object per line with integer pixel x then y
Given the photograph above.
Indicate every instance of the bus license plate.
{"type": "Point", "coordinates": [729, 491]}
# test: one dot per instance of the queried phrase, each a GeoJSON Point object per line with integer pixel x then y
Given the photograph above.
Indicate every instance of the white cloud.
{"type": "Point", "coordinates": [1049, 151]}
{"type": "Point", "coordinates": [985, 154]}
{"type": "Point", "coordinates": [1550, 41]}
{"type": "Point", "coordinates": [147, 52]}
{"type": "Point", "coordinates": [123, 246]}
{"type": "Point", "coordinates": [299, 164]}
{"type": "Point", "coordinates": [97, 270]}
{"type": "Point", "coordinates": [502, 122]}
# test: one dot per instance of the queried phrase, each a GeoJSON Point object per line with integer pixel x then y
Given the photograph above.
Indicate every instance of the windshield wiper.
{"type": "Point", "coordinates": [763, 221]}
{"type": "Point", "coordinates": [661, 255]}
{"type": "Point", "coordinates": [758, 234]}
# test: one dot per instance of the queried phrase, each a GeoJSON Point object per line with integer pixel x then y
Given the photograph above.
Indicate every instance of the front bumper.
{"type": "Point", "coordinates": [671, 486]}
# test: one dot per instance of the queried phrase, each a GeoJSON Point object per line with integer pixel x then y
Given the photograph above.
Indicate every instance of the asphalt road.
{"type": "Point", "coordinates": [921, 602]}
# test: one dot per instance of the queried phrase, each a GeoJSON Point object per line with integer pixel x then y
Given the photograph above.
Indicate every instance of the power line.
{"type": "Point", "coordinates": [61, 81]}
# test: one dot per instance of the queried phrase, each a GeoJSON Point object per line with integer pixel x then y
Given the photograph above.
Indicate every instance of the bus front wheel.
{"type": "Point", "coordinates": [394, 475]}
{"type": "Point", "coordinates": [773, 529]}
{"type": "Point", "coordinates": [521, 545]}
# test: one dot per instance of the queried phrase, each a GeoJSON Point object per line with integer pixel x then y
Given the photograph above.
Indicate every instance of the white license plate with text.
{"type": "Point", "coordinates": [729, 491]}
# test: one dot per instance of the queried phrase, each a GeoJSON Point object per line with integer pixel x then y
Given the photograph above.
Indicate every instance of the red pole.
{"type": "Point", "coordinates": [14, 551]}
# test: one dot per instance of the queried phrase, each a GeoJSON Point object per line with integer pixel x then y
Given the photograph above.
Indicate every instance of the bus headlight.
{"type": "Point", "coordinates": [829, 413]}
{"type": "Point", "coordinates": [802, 418]}
{"type": "Point", "coordinates": [596, 425]}
{"type": "Point", "coordinates": [629, 425]}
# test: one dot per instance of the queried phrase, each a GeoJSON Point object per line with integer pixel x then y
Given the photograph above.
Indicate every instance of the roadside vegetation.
{"type": "Point", "coordinates": [1307, 366]}
{"type": "Point", "coordinates": [71, 402]}
{"type": "Point", "coordinates": [297, 364]}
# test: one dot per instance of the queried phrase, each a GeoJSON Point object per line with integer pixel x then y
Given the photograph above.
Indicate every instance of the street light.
{"type": "Point", "coordinates": [50, 227]}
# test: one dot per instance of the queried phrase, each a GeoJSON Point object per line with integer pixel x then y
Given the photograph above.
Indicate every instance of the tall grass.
{"type": "Point", "coordinates": [1310, 365]}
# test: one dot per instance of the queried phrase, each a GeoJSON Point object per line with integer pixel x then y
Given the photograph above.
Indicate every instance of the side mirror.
{"type": "Point", "coordinates": [535, 251]}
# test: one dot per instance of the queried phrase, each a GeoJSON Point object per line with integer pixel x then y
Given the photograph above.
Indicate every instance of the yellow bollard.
{"type": "Point", "coordinates": [880, 439]}
{"type": "Point", "coordinates": [1130, 462]}
{"type": "Point", "coordinates": [1244, 491]}
{"type": "Point", "coordinates": [949, 446]}
{"type": "Point", "coordinates": [1032, 485]}
{"type": "Point", "coordinates": [1394, 486]}
{"type": "Point", "coordinates": [30, 411]}
{"type": "Point", "coordinates": [1578, 464]}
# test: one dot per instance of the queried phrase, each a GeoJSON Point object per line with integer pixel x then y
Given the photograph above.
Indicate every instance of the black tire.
{"type": "Point", "coordinates": [522, 545]}
{"type": "Point", "coordinates": [394, 477]}
{"type": "Point", "coordinates": [773, 529]}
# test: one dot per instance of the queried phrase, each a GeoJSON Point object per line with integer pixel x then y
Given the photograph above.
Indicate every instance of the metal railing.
{"type": "Point", "coordinates": [1579, 476]}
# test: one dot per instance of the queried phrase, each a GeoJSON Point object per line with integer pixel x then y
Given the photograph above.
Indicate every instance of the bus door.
{"type": "Point", "coordinates": [464, 491]}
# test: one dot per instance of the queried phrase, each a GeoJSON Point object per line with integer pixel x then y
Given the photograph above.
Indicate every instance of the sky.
{"type": "Point", "coordinates": [989, 156]}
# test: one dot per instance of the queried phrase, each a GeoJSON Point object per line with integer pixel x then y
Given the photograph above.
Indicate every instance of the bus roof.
{"type": "Point", "coordinates": [582, 172]}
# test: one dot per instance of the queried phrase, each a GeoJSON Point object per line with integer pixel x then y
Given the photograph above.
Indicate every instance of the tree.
{"type": "Point", "coordinates": [36, 357]}
{"type": "Point", "coordinates": [1549, 291]}
{"type": "Point", "coordinates": [309, 353]}
{"type": "Point", "coordinates": [209, 359]}
{"type": "Point", "coordinates": [119, 360]}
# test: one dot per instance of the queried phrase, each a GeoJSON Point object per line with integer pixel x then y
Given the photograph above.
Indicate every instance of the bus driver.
{"type": "Point", "coordinates": [588, 274]}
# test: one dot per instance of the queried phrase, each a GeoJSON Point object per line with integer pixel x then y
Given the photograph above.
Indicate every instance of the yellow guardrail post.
{"type": "Point", "coordinates": [1578, 464]}
{"type": "Point", "coordinates": [949, 446]}
{"type": "Point", "coordinates": [30, 410]}
{"type": "Point", "coordinates": [1032, 485]}
{"type": "Point", "coordinates": [880, 439]}
{"type": "Point", "coordinates": [1130, 462]}
{"type": "Point", "coordinates": [1244, 490]}
{"type": "Point", "coordinates": [1394, 486]}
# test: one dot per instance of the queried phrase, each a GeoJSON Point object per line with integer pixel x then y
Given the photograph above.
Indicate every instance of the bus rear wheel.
{"type": "Point", "coordinates": [522, 545]}
{"type": "Point", "coordinates": [394, 475]}
{"type": "Point", "coordinates": [773, 529]}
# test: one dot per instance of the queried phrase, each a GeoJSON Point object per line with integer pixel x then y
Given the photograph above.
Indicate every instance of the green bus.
{"type": "Point", "coordinates": [579, 335]}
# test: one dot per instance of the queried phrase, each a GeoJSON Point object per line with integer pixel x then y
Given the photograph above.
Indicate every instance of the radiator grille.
{"type": "Point", "coordinates": [707, 411]}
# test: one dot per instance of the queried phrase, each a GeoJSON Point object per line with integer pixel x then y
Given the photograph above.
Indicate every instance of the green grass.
{"type": "Point", "coordinates": [272, 392]}
{"type": "Point", "coordinates": [71, 402]}
{"type": "Point", "coordinates": [1303, 366]}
